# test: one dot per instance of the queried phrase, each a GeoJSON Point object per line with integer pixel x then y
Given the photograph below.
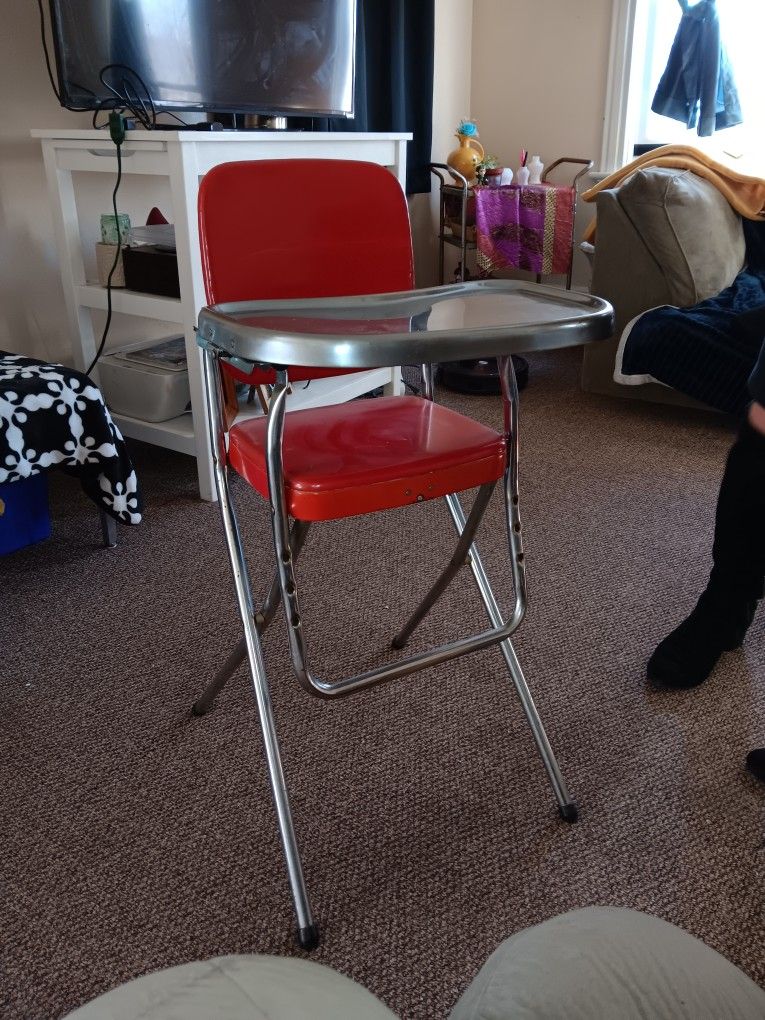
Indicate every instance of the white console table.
{"type": "Point", "coordinates": [184, 157]}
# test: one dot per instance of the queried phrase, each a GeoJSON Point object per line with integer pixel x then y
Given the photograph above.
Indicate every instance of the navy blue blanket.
{"type": "Point", "coordinates": [707, 351]}
{"type": "Point", "coordinates": [51, 416]}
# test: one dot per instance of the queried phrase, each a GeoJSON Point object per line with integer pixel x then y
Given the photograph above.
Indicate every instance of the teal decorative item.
{"type": "Point", "coordinates": [467, 127]}
{"type": "Point", "coordinates": [109, 229]}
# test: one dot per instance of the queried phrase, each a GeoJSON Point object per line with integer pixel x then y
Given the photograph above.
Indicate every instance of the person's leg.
{"type": "Point", "coordinates": [755, 760]}
{"type": "Point", "coordinates": [687, 656]}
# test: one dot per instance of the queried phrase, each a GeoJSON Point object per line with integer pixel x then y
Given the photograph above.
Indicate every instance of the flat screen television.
{"type": "Point", "coordinates": [270, 57]}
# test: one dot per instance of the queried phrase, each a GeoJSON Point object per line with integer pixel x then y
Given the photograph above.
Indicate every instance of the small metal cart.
{"type": "Point", "coordinates": [460, 241]}
{"type": "Point", "coordinates": [460, 189]}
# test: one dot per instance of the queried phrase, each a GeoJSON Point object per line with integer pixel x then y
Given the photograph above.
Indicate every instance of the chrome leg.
{"type": "Point", "coordinates": [307, 930]}
{"type": "Point", "coordinates": [280, 527]}
{"type": "Point", "coordinates": [204, 702]}
{"type": "Point", "coordinates": [428, 380]}
{"type": "Point", "coordinates": [458, 560]}
{"type": "Point", "coordinates": [566, 805]}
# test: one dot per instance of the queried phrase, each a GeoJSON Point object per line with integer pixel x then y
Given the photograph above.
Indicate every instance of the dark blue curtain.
{"type": "Point", "coordinates": [394, 79]}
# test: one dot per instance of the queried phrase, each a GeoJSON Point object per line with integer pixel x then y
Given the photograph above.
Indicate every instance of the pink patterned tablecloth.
{"type": "Point", "coordinates": [525, 227]}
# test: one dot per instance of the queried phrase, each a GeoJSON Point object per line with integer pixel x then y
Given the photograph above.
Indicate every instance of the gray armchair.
{"type": "Point", "coordinates": [665, 236]}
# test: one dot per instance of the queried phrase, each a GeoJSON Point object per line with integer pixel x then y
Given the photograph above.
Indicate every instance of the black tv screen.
{"type": "Point", "coordinates": [273, 57]}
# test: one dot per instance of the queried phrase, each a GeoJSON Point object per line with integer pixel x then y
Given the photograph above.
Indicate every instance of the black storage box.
{"type": "Point", "coordinates": [151, 270]}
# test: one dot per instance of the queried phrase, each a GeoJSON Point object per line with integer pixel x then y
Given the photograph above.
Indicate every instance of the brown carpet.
{"type": "Point", "coordinates": [135, 837]}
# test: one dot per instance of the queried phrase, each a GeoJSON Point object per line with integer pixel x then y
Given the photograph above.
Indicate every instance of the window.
{"type": "Point", "coordinates": [641, 36]}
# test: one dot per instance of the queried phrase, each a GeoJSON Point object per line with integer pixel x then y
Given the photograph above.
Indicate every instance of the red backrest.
{"type": "Point", "coordinates": [302, 228]}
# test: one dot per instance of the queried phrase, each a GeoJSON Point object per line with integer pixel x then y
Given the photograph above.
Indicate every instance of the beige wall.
{"type": "Point", "coordinates": [31, 299]}
{"type": "Point", "coordinates": [532, 72]}
{"type": "Point", "coordinates": [451, 101]}
{"type": "Point", "coordinates": [539, 76]}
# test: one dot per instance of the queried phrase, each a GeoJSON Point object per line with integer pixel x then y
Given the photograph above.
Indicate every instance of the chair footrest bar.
{"type": "Point", "coordinates": [423, 660]}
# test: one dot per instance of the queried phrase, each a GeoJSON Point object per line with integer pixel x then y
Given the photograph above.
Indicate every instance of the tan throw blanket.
{"type": "Point", "coordinates": [745, 192]}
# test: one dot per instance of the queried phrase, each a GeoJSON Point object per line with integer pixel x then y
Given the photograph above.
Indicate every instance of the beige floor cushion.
{"type": "Point", "coordinates": [605, 963]}
{"type": "Point", "coordinates": [238, 988]}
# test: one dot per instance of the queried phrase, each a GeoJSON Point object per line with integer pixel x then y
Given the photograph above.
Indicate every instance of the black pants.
{"type": "Point", "coordinates": [757, 378]}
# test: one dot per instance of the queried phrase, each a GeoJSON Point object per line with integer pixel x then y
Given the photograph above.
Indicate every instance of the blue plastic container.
{"type": "Point", "coordinates": [24, 515]}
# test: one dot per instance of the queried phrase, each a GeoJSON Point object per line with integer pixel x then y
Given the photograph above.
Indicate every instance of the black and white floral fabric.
{"type": "Point", "coordinates": [52, 416]}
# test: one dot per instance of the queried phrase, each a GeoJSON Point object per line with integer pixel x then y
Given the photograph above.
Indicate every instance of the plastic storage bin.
{"type": "Point", "coordinates": [24, 515]}
{"type": "Point", "coordinates": [147, 381]}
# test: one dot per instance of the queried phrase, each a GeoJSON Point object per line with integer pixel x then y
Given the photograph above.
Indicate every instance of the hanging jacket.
{"type": "Point", "coordinates": [697, 86]}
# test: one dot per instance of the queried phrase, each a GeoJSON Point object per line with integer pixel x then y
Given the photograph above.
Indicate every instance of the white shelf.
{"type": "Point", "coordinates": [176, 434]}
{"type": "Point", "coordinates": [131, 302]}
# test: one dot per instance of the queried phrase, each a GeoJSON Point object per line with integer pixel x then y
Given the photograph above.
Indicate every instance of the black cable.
{"type": "Point", "coordinates": [127, 88]}
{"type": "Point", "coordinates": [114, 264]}
{"type": "Point", "coordinates": [146, 116]}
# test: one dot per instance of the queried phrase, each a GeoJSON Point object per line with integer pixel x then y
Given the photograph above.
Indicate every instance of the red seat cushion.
{"type": "Point", "coordinates": [368, 455]}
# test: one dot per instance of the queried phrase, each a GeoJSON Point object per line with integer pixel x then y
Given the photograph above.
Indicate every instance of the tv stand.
{"type": "Point", "coordinates": [182, 158]}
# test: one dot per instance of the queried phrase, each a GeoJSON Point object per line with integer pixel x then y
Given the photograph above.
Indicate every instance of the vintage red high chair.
{"type": "Point", "coordinates": [311, 228]}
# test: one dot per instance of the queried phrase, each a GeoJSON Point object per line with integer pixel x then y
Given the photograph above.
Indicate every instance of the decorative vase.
{"type": "Point", "coordinates": [522, 177]}
{"type": "Point", "coordinates": [536, 166]}
{"type": "Point", "coordinates": [467, 157]}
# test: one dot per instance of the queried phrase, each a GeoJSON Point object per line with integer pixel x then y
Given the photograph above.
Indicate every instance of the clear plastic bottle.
{"type": "Point", "coordinates": [536, 166]}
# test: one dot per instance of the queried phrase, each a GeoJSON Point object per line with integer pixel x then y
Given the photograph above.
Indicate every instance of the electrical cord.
{"type": "Point", "coordinates": [129, 97]}
{"type": "Point", "coordinates": [117, 131]}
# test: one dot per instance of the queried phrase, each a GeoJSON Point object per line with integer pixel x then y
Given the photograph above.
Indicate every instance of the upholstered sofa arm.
{"type": "Point", "coordinates": [624, 270]}
{"type": "Point", "coordinates": [664, 237]}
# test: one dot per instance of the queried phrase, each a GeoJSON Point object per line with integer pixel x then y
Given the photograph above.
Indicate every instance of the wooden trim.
{"type": "Point", "coordinates": [613, 153]}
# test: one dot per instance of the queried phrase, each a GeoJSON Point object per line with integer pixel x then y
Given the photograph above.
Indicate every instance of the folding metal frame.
{"type": "Point", "coordinates": [289, 540]}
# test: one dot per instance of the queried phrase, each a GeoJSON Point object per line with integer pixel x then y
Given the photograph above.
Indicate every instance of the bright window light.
{"type": "Point", "coordinates": [743, 29]}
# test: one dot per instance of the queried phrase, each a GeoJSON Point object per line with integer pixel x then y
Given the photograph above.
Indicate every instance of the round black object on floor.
{"type": "Point", "coordinates": [479, 375]}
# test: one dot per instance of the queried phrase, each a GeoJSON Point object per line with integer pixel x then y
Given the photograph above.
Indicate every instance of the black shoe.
{"type": "Point", "coordinates": [687, 656]}
{"type": "Point", "coordinates": [755, 762]}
